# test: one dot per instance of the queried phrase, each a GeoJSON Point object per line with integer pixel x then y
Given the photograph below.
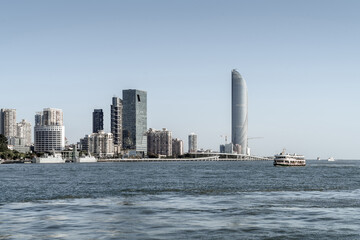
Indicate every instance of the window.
{"type": "Point", "coordinates": [138, 97]}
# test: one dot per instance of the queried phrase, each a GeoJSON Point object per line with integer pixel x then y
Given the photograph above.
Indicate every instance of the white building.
{"type": "Point", "coordinates": [49, 132]}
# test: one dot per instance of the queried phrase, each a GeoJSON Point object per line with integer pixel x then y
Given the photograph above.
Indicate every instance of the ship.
{"type": "Point", "coordinates": [54, 158]}
{"type": "Point", "coordinates": [286, 159]}
{"type": "Point", "coordinates": [331, 159]}
{"type": "Point", "coordinates": [86, 159]}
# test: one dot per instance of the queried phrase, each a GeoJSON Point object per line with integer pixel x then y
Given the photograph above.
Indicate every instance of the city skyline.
{"type": "Point", "coordinates": [299, 58]}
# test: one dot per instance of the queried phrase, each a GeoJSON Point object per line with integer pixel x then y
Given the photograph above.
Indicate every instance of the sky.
{"type": "Point", "coordinates": [300, 60]}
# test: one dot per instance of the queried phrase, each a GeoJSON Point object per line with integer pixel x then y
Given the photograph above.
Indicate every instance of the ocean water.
{"type": "Point", "coordinates": [180, 200]}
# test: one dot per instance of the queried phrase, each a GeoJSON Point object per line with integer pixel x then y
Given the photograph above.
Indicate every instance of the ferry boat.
{"type": "Point", "coordinates": [331, 159]}
{"type": "Point", "coordinates": [285, 159]}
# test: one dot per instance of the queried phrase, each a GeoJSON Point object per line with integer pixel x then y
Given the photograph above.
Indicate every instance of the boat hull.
{"type": "Point", "coordinates": [289, 164]}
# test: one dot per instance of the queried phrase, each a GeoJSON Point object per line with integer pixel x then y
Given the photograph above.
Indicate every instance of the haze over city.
{"type": "Point", "coordinates": [299, 59]}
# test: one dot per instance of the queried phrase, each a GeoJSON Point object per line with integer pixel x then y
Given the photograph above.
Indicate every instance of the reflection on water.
{"type": "Point", "coordinates": [199, 200]}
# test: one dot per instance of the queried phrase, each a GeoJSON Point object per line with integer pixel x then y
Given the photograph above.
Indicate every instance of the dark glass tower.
{"type": "Point", "coordinates": [239, 111]}
{"type": "Point", "coordinates": [135, 120]}
{"type": "Point", "coordinates": [98, 120]}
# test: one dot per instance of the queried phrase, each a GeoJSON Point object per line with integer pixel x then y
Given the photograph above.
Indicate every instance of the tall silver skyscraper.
{"type": "Point", "coordinates": [135, 120]}
{"type": "Point", "coordinates": [239, 111]}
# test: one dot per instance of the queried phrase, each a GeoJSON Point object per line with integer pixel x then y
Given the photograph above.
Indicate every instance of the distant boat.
{"type": "Point", "coordinates": [331, 159]}
{"type": "Point", "coordinates": [285, 159]}
{"type": "Point", "coordinates": [318, 158]}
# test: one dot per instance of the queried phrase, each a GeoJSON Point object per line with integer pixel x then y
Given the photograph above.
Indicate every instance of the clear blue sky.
{"type": "Point", "coordinates": [300, 60]}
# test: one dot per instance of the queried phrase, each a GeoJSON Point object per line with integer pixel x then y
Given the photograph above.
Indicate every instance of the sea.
{"type": "Point", "coordinates": [180, 200]}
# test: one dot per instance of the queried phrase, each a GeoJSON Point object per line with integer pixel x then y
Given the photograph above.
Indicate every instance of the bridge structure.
{"type": "Point", "coordinates": [194, 157]}
{"type": "Point", "coordinates": [231, 156]}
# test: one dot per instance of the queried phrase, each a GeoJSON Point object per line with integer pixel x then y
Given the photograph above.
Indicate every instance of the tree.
{"type": "Point", "coordinates": [3, 143]}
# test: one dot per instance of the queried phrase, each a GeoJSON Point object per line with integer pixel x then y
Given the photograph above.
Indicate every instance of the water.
{"type": "Point", "coordinates": [180, 200]}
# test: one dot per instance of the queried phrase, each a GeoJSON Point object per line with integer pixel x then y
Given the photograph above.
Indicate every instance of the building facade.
{"type": "Point", "coordinates": [192, 143]}
{"type": "Point", "coordinates": [101, 144]}
{"type": "Point", "coordinates": [98, 120]}
{"type": "Point", "coordinates": [135, 121]}
{"type": "Point", "coordinates": [84, 143]}
{"type": "Point", "coordinates": [18, 144]}
{"type": "Point", "coordinates": [177, 147]}
{"type": "Point", "coordinates": [116, 123]}
{"type": "Point", "coordinates": [24, 132]}
{"type": "Point", "coordinates": [159, 142]}
{"type": "Point", "coordinates": [8, 122]}
{"type": "Point", "coordinates": [239, 112]}
{"type": "Point", "coordinates": [49, 132]}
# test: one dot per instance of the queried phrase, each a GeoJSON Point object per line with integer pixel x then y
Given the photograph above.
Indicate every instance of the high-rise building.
{"type": "Point", "coordinates": [52, 117]}
{"type": "Point", "coordinates": [239, 112]}
{"type": "Point", "coordinates": [135, 121]}
{"type": "Point", "coordinates": [49, 131]}
{"type": "Point", "coordinates": [192, 143]}
{"type": "Point", "coordinates": [24, 132]}
{"type": "Point", "coordinates": [159, 142]}
{"type": "Point", "coordinates": [8, 122]}
{"type": "Point", "coordinates": [177, 147]}
{"type": "Point", "coordinates": [101, 144]}
{"type": "Point", "coordinates": [98, 120]}
{"type": "Point", "coordinates": [116, 122]}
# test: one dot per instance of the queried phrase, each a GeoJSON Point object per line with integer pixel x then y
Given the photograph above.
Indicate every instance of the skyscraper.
{"type": "Point", "coordinates": [192, 143]}
{"type": "Point", "coordinates": [239, 111]}
{"type": "Point", "coordinates": [8, 122]}
{"type": "Point", "coordinates": [49, 131]}
{"type": "Point", "coordinates": [135, 120]}
{"type": "Point", "coordinates": [116, 122]}
{"type": "Point", "coordinates": [98, 120]}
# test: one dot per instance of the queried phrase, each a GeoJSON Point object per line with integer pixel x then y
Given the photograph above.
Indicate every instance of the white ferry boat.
{"type": "Point", "coordinates": [55, 158]}
{"type": "Point", "coordinates": [331, 159]}
{"type": "Point", "coordinates": [285, 159]}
